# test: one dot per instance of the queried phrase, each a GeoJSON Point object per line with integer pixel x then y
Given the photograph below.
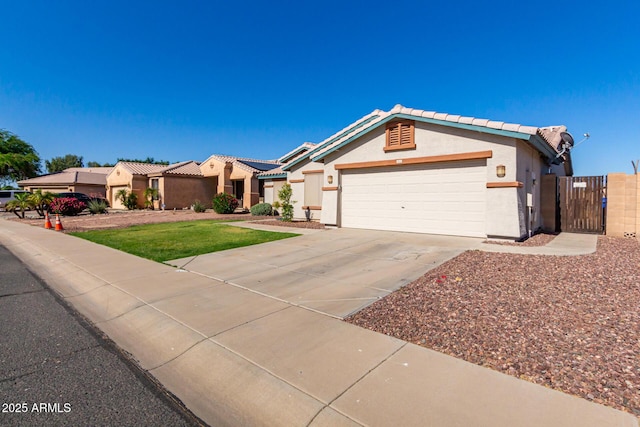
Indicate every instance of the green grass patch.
{"type": "Point", "coordinates": [166, 241]}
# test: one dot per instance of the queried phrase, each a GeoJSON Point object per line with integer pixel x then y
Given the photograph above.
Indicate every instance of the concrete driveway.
{"type": "Point", "coordinates": [335, 272]}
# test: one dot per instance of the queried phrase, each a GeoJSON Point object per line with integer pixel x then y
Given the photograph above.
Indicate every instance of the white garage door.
{"type": "Point", "coordinates": [444, 198]}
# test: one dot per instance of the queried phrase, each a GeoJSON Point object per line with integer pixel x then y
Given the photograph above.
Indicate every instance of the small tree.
{"type": "Point", "coordinates": [41, 200]}
{"type": "Point", "coordinates": [284, 195]}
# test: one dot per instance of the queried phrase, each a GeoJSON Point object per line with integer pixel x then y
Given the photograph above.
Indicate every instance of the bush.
{"type": "Point", "coordinates": [284, 195]}
{"type": "Point", "coordinates": [67, 206]}
{"type": "Point", "coordinates": [97, 206]}
{"type": "Point", "coordinates": [224, 203]}
{"type": "Point", "coordinates": [199, 207]}
{"type": "Point", "coordinates": [261, 209]}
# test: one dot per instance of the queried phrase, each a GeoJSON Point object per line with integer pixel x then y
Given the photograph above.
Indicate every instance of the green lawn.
{"type": "Point", "coordinates": [166, 241]}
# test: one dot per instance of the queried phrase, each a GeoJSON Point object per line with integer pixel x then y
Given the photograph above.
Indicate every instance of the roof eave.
{"type": "Point", "coordinates": [341, 134]}
{"type": "Point", "coordinates": [275, 176]}
{"type": "Point", "coordinates": [483, 129]}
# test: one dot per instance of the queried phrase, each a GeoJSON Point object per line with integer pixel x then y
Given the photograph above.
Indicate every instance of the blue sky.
{"type": "Point", "coordinates": [184, 80]}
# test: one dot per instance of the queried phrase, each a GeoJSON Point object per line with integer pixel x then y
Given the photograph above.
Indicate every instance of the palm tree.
{"type": "Point", "coordinates": [21, 204]}
{"type": "Point", "coordinates": [41, 200]}
{"type": "Point", "coordinates": [150, 194]}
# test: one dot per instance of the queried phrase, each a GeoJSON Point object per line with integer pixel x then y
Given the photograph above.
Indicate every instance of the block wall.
{"type": "Point", "coordinates": [623, 205]}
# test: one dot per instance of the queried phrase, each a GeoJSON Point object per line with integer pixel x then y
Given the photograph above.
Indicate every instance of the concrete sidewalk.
{"type": "Point", "coordinates": [235, 357]}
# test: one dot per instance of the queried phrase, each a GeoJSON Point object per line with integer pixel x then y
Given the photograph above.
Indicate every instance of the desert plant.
{"type": "Point", "coordinates": [20, 204]}
{"type": "Point", "coordinates": [67, 206]}
{"type": "Point", "coordinates": [128, 199]}
{"type": "Point", "coordinates": [224, 203]}
{"type": "Point", "coordinates": [150, 194]}
{"type": "Point", "coordinates": [284, 195]}
{"type": "Point", "coordinates": [276, 205]}
{"type": "Point", "coordinates": [97, 207]}
{"type": "Point", "coordinates": [261, 209]}
{"type": "Point", "coordinates": [41, 200]}
{"type": "Point", "coordinates": [199, 207]}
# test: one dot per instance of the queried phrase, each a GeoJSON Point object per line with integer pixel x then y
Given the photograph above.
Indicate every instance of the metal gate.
{"type": "Point", "coordinates": [581, 206]}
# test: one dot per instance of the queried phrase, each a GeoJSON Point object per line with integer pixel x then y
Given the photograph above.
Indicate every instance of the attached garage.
{"type": "Point", "coordinates": [439, 198]}
{"type": "Point", "coordinates": [116, 203]}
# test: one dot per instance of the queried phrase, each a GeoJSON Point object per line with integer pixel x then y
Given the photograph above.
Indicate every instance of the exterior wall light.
{"type": "Point", "coordinates": [330, 179]}
{"type": "Point", "coordinates": [501, 171]}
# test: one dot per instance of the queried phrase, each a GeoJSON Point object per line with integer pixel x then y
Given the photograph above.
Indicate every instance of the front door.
{"type": "Point", "coordinates": [238, 191]}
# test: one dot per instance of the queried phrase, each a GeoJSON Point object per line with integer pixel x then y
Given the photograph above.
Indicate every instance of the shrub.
{"type": "Point", "coordinates": [199, 207]}
{"type": "Point", "coordinates": [284, 195]}
{"type": "Point", "coordinates": [224, 203]}
{"type": "Point", "coordinates": [128, 199]}
{"type": "Point", "coordinates": [67, 206]}
{"type": "Point", "coordinates": [261, 209]}
{"type": "Point", "coordinates": [97, 206]}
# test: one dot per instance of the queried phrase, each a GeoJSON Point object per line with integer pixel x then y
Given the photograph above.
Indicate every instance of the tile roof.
{"type": "Point", "coordinates": [550, 135]}
{"type": "Point", "coordinates": [142, 168]}
{"type": "Point", "coordinates": [67, 178]}
{"type": "Point", "coordinates": [188, 167]}
{"type": "Point", "coordinates": [300, 149]}
{"type": "Point", "coordinates": [273, 172]}
{"type": "Point", "coordinates": [100, 170]}
{"type": "Point", "coordinates": [245, 163]}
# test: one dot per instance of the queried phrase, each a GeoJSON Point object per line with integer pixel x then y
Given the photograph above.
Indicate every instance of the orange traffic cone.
{"type": "Point", "coordinates": [58, 223]}
{"type": "Point", "coordinates": [47, 221]}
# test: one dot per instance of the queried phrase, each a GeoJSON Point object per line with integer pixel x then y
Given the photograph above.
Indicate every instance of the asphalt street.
{"type": "Point", "coordinates": [57, 369]}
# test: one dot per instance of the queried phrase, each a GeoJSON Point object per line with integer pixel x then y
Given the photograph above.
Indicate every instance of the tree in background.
{"type": "Point", "coordinates": [58, 164]}
{"type": "Point", "coordinates": [147, 160]}
{"type": "Point", "coordinates": [18, 159]}
{"type": "Point", "coordinates": [98, 165]}
{"type": "Point", "coordinates": [284, 194]}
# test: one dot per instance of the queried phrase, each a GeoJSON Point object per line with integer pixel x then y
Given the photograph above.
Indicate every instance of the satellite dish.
{"type": "Point", "coordinates": [567, 139]}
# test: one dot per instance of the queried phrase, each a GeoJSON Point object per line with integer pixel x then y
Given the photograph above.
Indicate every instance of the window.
{"type": "Point", "coordinates": [313, 190]}
{"type": "Point", "coordinates": [400, 136]}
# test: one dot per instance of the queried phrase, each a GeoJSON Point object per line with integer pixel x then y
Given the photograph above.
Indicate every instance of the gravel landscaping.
{"type": "Point", "coordinates": [568, 323]}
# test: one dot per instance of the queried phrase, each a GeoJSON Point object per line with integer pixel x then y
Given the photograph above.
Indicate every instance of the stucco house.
{"type": "Point", "coordinates": [422, 171]}
{"type": "Point", "coordinates": [90, 181]}
{"type": "Point", "coordinates": [237, 176]}
{"type": "Point", "coordinates": [178, 184]}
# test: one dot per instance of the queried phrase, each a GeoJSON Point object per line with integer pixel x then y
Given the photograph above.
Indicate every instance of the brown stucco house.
{"type": "Point", "coordinates": [237, 176]}
{"type": "Point", "coordinates": [90, 181]}
{"type": "Point", "coordinates": [427, 172]}
{"type": "Point", "coordinates": [179, 185]}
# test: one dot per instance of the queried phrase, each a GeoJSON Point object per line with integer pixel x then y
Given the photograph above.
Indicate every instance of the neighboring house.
{"type": "Point", "coordinates": [90, 181]}
{"type": "Point", "coordinates": [274, 179]}
{"type": "Point", "coordinates": [237, 176]}
{"type": "Point", "coordinates": [179, 185]}
{"type": "Point", "coordinates": [420, 171]}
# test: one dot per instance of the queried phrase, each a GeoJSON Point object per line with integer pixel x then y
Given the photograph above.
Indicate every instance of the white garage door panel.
{"type": "Point", "coordinates": [438, 199]}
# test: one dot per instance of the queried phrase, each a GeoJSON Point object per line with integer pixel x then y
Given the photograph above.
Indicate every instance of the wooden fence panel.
{"type": "Point", "coordinates": [581, 204]}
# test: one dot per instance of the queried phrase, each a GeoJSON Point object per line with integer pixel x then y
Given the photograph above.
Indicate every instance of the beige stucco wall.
{"type": "Point", "coordinates": [296, 179]}
{"type": "Point", "coordinates": [178, 192]}
{"type": "Point", "coordinates": [623, 205]}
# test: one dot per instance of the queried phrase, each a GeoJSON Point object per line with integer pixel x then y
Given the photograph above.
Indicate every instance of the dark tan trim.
{"type": "Point", "coordinates": [294, 181]}
{"type": "Point", "coordinates": [400, 147]}
{"type": "Point", "coordinates": [329, 188]}
{"type": "Point", "coordinates": [268, 186]}
{"type": "Point", "coordinates": [313, 171]}
{"type": "Point", "coordinates": [313, 208]}
{"type": "Point", "coordinates": [511, 184]}
{"type": "Point", "coordinates": [418, 160]}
